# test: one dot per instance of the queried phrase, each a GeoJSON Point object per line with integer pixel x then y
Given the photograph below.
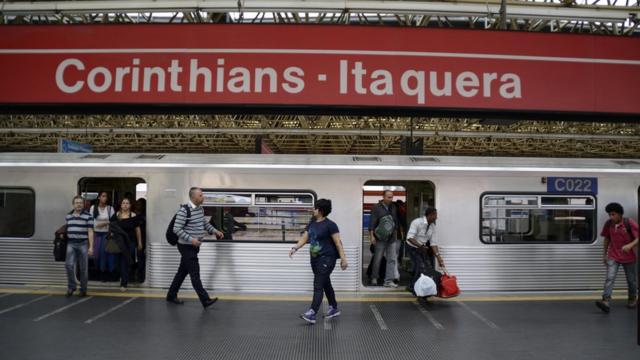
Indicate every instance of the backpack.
{"type": "Point", "coordinates": [385, 228]}
{"type": "Point", "coordinates": [172, 237]}
{"type": "Point", "coordinates": [627, 225]}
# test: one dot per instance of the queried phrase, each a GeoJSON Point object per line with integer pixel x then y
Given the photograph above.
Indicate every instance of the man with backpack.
{"type": "Point", "coordinates": [189, 226]}
{"type": "Point", "coordinates": [620, 239]}
{"type": "Point", "coordinates": [382, 233]}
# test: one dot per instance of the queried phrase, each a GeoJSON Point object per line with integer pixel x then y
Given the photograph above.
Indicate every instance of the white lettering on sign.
{"type": "Point", "coordinates": [157, 79]}
{"type": "Point", "coordinates": [421, 84]}
{"type": "Point", "coordinates": [69, 89]}
{"type": "Point", "coordinates": [354, 78]}
{"type": "Point", "coordinates": [573, 185]}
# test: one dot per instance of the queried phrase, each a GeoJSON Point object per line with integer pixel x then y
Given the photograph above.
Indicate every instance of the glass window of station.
{"type": "Point", "coordinates": [537, 218]}
{"type": "Point", "coordinates": [259, 216]}
{"type": "Point", "coordinates": [17, 212]}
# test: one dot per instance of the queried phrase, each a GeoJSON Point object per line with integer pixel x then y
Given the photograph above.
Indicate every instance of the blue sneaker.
{"type": "Point", "coordinates": [332, 312]}
{"type": "Point", "coordinates": [309, 316]}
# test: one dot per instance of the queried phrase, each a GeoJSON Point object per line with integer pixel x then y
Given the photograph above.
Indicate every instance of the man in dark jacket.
{"type": "Point", "coordinates": [382, 233]}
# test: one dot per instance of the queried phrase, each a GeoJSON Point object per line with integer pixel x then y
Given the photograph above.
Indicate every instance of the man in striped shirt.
{"type": "Point", "coordinates": [79, 233]}
{"type": "Point", "coordinates": [190, 231]}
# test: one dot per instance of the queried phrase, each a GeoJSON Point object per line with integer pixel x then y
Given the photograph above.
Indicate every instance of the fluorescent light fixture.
{"type": "Point", "coordinates": [352, 167]}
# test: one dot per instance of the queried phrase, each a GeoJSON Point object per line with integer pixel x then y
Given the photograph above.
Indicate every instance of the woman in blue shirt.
{"type": "Point", "coordinates": [325, 245]}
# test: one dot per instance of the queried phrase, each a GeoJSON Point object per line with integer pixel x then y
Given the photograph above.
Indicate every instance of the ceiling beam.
{"type": "Point", "coordinates": [520, 10]}
{"type": "Point", "coordinates": [317, 132]}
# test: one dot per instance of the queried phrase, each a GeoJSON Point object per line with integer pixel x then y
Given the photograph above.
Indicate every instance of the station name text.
{"type": "Point", "coordinates": [216, 76]}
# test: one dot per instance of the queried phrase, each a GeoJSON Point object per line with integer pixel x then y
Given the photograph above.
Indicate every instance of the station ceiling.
{"type": "Point", "coordinates": [327, 134]}
{"type": "Point", "coordinates": [306, 134]}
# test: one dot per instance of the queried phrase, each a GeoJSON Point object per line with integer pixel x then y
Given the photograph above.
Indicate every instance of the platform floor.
{"type": "Point", "coordinates": [43, 324]}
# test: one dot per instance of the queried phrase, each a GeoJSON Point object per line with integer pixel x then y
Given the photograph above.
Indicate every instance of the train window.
{"type": "Point", "coordinates": [537, 218]}
{"type": "Point", "coordinates": [284, 199]}
{"type": "Point", "coordinates": [275, 216]}
{"type": "Point", "coordinates": [511, 200]}
{"type": "Point", "coordinates": [215, 198]}
{"type": "Point", "coordinates": [17, 212]}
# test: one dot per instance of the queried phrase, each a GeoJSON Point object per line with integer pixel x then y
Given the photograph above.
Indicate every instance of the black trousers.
{"type": "Point", "coordinates": [188, 265]}
{"type": "Point", "coordinates": [322, 268]}
{"type": "Point", "coordinates": [422, 264]}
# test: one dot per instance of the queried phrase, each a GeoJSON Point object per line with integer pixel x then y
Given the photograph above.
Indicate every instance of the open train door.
{"type": "Point", "coordinates": [410, 198]}
{"type": "Point", "coordinates": [103, 266]}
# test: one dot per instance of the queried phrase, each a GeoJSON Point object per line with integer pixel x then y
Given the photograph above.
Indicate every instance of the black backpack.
{"type": "Point", "coordinates": [172, 238]}
{"type": "Point", "coordinates": [627, 226]}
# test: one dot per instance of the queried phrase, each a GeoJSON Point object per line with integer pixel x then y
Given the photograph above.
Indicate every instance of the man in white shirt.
{"type": "Point", "coordinates": [422, 239]}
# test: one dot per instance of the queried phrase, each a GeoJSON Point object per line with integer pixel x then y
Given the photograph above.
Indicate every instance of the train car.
{"type": "Point", "coordinates": [505, 224]}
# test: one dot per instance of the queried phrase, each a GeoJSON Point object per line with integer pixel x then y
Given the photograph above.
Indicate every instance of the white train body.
{"type": "Point", "coordinates": [254, 266]}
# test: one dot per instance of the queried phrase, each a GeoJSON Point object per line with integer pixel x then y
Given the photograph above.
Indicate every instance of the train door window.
{"type": "Point", "coordinates": [537, 218]}
{"type": "Point", "coordinates": [254, 215]}
{"type": "Point", "coordinates": [410, 198]}
{"type": "Point", "coordinates": [17, 212]}
{"type": "Point", "coordinates": [104, 266]}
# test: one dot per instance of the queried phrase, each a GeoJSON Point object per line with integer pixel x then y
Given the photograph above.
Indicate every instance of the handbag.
{"type": "Point", "coordinates": [112, 247]}
{"type": "Point", "coordinates": [448, 286]}
{"type": "Point", "coordinates": [60, 244]}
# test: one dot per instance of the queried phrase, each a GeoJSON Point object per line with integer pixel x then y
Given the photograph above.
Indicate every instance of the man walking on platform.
{"type": "Point", "coordinates": [190, 231]}
{"type": "Point", "coordinates": [620, 240]}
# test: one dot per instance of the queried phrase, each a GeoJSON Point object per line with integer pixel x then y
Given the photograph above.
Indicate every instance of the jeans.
{"type": "Point", "coordinates": [322, 268]}
{"type": "Point", "coordinates": [188, 265]}
{"type": "Point", "coordinates": [105, 261]}
{"type": "Point", "coordinates": [99, 242]}
{"type": "Point", "coordinates": [612, 271]}
{"type": "Point", "coordinates": [390, 251]}
{"type": "Point", "coordinates": [77, 251]}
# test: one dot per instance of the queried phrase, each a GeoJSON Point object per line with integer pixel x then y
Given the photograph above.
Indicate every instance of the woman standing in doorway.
{"type": "Point", "coordinates": [127, 220]}
{"type": "Point", "coordinates": [101, 213]}
{"type": "Point", "coordinates": [325, 247]}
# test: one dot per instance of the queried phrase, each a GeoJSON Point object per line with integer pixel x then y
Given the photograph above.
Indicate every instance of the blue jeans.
{"type": "Point", "coordinates": [390, 251]}
{"type": "Point", "coordinates": [322, 268]}
{"type": "Point", "coordinates": [106, 262]}
{"type": "Point", "coordinates": [77, 251]}
{"type": "Point", "coordinates": [612, 271]}
{"type": "Point", "coordinates": [99, 238]}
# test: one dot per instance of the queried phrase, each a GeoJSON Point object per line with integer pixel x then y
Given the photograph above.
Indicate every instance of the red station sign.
{"type": "Point", "coordinates": [319, 66]}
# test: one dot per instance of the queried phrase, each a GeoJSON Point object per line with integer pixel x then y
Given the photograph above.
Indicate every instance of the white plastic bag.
{"type": "Point", "coordinates": [425, 286]}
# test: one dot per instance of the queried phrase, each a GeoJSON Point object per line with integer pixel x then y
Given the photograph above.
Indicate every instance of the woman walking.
{"type": "Point", "coordinates": [325, 247]}
{"type": "Point", "coordinates": [127, 220]}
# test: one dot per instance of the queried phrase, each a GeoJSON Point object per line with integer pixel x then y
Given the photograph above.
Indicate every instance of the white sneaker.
{"type": "Point", "coordinates": [390, 285]}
